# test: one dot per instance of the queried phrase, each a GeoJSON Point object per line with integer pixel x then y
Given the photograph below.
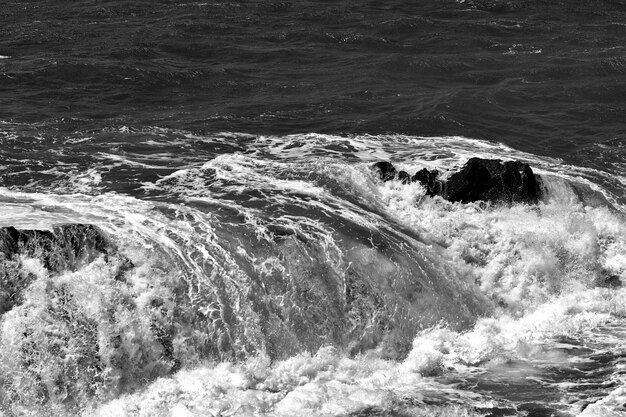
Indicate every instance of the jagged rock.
{"type": "Point", "coordinates": [494, 181]}
{"type": "Point", "coordinates": [404, 177]}
{"type": "Point", "coordinates": [479, 179]}
{"type": "Point", "coordinates": [65, 247]}
{"type": "Point", "coordinates": [59, 249]}
{"type": "Point", "coordinates": [429, 180]}
{"type": "Point", "coordinates": [386, 170]}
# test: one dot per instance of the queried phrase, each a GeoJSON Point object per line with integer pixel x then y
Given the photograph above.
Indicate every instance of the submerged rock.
{"type": "Point", "coordinates": [478, 180]}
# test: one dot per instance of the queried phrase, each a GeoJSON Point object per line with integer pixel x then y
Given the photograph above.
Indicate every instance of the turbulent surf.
{"type": "Point", "coordinates": [282, 276]}
{"type": "Point", "coordinates": [412, 209]}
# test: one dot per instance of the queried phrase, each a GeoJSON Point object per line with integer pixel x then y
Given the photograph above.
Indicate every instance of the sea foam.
{"type": "Point", "coordinates": [282, 287]}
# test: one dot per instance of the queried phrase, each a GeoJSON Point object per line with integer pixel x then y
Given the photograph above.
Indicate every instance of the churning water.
{"type": "Point", "coordinates": [172, 243]}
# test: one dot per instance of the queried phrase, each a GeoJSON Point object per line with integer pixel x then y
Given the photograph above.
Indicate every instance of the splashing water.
{"type": "Point", "coordinates": [287, 279]}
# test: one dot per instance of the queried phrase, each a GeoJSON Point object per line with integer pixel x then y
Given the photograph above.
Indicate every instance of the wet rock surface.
{"type": "Point", "coordinates": [59, 249]}
{"type": "Point", "coordinates": [64, 248]}
{"type": "Point", "coordinates": [489, 180]}
{"type": "Point", "coordinates": [386, 170]}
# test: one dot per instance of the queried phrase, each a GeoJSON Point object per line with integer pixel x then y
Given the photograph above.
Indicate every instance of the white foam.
{"type": "Point", "coordinates": [324, 384]}
{"type": "Point", "coordinates": [536, 267]}
{"type": "Point", "coordinates": [611, 406]}
{"type": "Point", "coordinates": [330, 384]}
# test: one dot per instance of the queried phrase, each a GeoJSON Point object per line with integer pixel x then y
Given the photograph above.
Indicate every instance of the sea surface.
{"type": "Point", "coordinates": [212, 239]}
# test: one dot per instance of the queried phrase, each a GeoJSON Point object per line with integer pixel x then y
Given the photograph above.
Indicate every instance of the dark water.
{"type": "Point", "coordinates": [247, 259]}
{"type": "Point", "coordinates": [544, 76]}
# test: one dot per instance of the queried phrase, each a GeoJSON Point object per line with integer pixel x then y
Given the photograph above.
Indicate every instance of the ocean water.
{"type": "Point", "coordinates": [200, 231]}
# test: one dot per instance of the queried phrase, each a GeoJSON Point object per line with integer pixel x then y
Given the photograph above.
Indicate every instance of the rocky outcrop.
{"type": "Point", "coordinates": [64, 248]}
{"type": "Point", "coordinates": [429, 180]}
{"type": "Point", "coordinates": [493, 180]}
{"type": "Point", "coordinates": [479, 179]}
{"type": "Point", "coordinates": [386, 170]}
{"type": "Point", "coordinates": [59, 249]}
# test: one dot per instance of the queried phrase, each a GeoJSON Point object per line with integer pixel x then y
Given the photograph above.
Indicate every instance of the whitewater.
{"type": "Point", "coordinates": [281, 277]}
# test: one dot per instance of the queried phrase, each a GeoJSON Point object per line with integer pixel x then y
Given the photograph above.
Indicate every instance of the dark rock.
{"type": "Point", "coordinates": [493, 181]}
{"type": "Point", "coordinates": [429, 180]}
{"type": "Point", "coordinates": [404, 177]}
{"type": "Point", "coordinates": [386, 170]}
{"type": "Point", "coordinates": [65, 247]}
{"type": "Point", "coordinates": [489, 180]}
{"type": "Point", "coordinates": [61, 248]}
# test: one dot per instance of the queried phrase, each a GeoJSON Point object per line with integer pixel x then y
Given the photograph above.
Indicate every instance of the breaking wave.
{"type": "Point", "coordinates": [285, 278]}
